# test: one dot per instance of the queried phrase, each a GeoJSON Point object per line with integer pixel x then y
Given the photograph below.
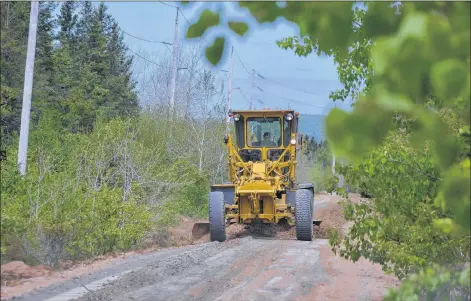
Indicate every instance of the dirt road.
{"type": "Point", "coordinates": [242, 268]}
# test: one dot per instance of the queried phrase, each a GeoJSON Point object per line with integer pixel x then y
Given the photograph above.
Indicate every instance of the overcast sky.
{"type": "Point", "coordinates": [316, 75]}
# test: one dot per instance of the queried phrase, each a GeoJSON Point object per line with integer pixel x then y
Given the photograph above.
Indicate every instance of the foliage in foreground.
{"type": "Point", "coordinates": [407, 66]}
{"type": "Point", "coordinates": [398, 228]}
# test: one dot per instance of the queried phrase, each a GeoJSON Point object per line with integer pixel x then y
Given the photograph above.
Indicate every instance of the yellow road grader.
{"type": "Point", "coordinates": [262, 185]}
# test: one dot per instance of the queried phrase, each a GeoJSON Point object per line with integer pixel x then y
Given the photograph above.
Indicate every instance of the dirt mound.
{"type": "Point", "coordinates": [16, 270]}
{"type": "Point", "coordinates": [332, 218]}
{"type": "Point", "coordinates": [259, 230]}
{"type": "Point", "coordinates": [181, 235]}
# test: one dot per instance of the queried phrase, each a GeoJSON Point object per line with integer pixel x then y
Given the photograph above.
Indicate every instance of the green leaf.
{"type": "Point", "coordinates": [414, 25]}
{"type": "Point", "coordinates": [206, 20]}
{"type": "Point", "coordinates": [397, 103]}
{"type": "Point", "coordinates": [352, 135]}
{"type": "Point", "coordinates": [262, 11]}
{"type": "Point", "coordinates": [380, 19]}
{"type": "Point", "coordinates": [382, 52]}
{"type": "Point", "coordinates": [239, 28]}
{"type": "Point", "coordinates": [449, 78]}
{"type": "Point", "coordinates": [439, 37]}
{"type": "Point", "coordinates": [214, 52]}
{"type": "Point", "coordinates": [445, 224]}
{"type": "Point", "coordinates": [455, 193]}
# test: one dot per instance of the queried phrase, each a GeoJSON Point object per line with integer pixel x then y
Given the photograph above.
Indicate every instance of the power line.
{"type": "Point", "coordinates": [280, 84]}
{"type": "Point", "coordinates": [145, 59]}
{"type": "Point", "coordinates": [168, 48]}
{"type": "Point", "coordinates": [224, 74]}
{"type": "Point", "coordinates": [241, 62]}
{"type": "Point", "coordinates": [167, 4]}
{"type": "Point", "coordinates": [145, 40]}
{"type": "Point", "coordinates": [241, 92]}
{"type": "Point", "coordinates": [296, 101]}
{"type": "Point", "coordinates": [185, 17]}
{"type": "Point", "coordinates": [302, 103]}
{"type": "Point", "coordinates": [136, 37]}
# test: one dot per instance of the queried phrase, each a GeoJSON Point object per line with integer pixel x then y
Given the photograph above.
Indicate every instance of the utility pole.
{"type": "Point", "coordinates": [253, 89]}
{"type": "Point", "coordinates": [188, 96]}
{"type": "Point", "coordinates": [229, 90]}
{"type": "Point", "coordinates": [174, 67]}
{"type": "Point", "coordinates": [333, 155]}
{"type": "Point", "coordinates": [28, 87]}
{"type": "Point", "coordinates": [333, 164]}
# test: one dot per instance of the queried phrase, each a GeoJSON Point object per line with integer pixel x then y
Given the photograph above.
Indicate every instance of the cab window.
{"type": "Point", "coordinates": [264, 132]}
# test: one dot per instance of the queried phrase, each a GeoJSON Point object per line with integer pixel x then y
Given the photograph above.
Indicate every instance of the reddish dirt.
{"type": "Point", "coordinates": [18, 278]}
{"type": "Point", "coordinates": [13, 272]}
{"type": "Point", "coordinates": [362, 280]}
{"type": "Point", "coordinates": [331, 214]}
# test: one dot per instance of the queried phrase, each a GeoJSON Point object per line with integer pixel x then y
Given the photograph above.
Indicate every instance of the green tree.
{"type": "Point", "coordinates": [44, 62]}
{"type": "Point", "coordinates": [67, 20]}
{"type": "Point", "coordinates": [14, 37]}
{"type": "Point", "coordinates": [122, 100]}
{"type": "Point", "coordinates": [91, 68]}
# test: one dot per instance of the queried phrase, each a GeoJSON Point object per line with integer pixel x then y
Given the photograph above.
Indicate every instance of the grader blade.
{"type": "Point", "coordinates": [200, 229]}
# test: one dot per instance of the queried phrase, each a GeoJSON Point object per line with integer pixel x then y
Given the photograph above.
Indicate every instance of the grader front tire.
{"type": "Point", "coordinates": [303, 214]}
{"type": "Point", "coordinates": [217, 221]}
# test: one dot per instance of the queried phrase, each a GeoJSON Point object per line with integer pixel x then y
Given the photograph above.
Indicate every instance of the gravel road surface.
{"type": "Point", "coordinates": [242, 268]}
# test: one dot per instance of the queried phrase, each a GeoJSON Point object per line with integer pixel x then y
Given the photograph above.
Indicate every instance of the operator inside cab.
{"type": "Point", "coordinates": [267, 142]}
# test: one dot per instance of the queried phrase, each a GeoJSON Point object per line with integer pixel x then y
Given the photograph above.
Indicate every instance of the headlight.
{"type": "Point", "coordinates": [289, 116]}
{"type": "Point", "coordinates": [293, 141]}
{"type": "Point", "coordinates": [236, 117]}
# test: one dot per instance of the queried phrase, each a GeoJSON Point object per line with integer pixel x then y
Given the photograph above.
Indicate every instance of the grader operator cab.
{"type": "Point", "coordinates": [262, 175]}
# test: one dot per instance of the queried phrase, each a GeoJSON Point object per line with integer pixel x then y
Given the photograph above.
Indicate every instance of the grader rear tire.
{"type": "Point", "coordinates": [303, 215]}
{"type": "Point", "coordinates": [217, 221]}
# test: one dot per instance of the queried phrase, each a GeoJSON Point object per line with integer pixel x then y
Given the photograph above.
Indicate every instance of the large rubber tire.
{"type": "Point", "coordinates": [304, 209]}
{"type": "Point", "coordinates": [217, 221]}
